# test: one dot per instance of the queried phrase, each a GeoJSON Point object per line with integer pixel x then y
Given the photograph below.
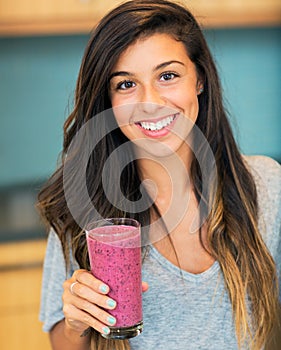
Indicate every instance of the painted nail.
{"type": "Point", "coordinates": [103, 288]}
{"type": "Point", "coordinates": [111, 320]}
{"type": "Point", "coordinates": [111, 303]}
{"type": "Point", "coordinates": [106, 330]}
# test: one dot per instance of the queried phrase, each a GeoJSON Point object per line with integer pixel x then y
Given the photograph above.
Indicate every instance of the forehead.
{"type": "Point", "coordinates": [152, 49]}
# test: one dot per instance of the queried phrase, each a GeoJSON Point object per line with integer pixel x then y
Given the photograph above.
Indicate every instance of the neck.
{"type": "Point", "coordinates": [166, 177]}
{"type": "Point", "coordinates": [168, 182]}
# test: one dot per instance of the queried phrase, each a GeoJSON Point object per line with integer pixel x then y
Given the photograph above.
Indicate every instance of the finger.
{"type": "Point", "coordinates": [84, 292]}
{"type": "Point", "coordinates": [74, 315]}
{"type": "Point", "coordinates": [85, 277]}
{"type": "Point", "coordinates": [95, 311]}
{"type": "Point", "coordinates": [72, 286]}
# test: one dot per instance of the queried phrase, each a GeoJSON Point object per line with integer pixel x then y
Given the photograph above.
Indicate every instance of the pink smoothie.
{"type": "Point", "coordinates": [117, 262]}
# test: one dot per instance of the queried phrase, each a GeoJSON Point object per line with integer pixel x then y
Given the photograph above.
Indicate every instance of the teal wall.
{"type": "Point", "coordinates": [249, 64]}
{"type": "Point", "coordinates": [37, 81]}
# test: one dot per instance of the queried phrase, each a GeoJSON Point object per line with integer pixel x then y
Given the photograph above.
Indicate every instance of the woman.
{"type": "Point", "coordinates": [211, 216]}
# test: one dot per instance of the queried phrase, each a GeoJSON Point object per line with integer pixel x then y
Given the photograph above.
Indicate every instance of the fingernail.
{"type": "Point", "coordinates": [111, 320]}
{"type": "Point", "coordinates": [111, 303]}
{"type": "Point", "coordinates": [103, 288]}
{"type": "Point", "coordinates": [106, 330]}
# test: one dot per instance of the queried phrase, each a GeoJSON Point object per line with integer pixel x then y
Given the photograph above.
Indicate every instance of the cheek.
{"type": "Point", "coordinates": [187, 101]}
{"type": "Point", "coordinates": [124, 126]}
{"type": "Point", "coordinates": [119, 117]}
{"type": "Point", "coordinates": [193, 107]}
{"type": "Point", "coordinates": [113, 100]}
{"type": "Point", "coordinates": [123, 114]}
{"type": "Point", "coordinates": [120, 99]}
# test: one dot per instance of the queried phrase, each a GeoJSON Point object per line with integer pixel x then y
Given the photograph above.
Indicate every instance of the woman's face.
{"type": "Point", "coordinates": [154, 94]}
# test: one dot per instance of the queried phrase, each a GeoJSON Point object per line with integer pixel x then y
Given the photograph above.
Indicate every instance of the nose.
{"type": "Point", "coordinates": [151, 100]}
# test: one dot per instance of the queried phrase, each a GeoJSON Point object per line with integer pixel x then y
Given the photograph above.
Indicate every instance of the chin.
{"type": "Point", "coordinates": [154, 148]}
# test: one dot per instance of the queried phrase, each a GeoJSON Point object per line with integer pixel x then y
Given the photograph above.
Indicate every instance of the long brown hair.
{"type": "Point", "coordinates": [233, 236]}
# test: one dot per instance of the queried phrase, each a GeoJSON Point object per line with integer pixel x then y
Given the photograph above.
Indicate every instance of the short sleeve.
{"type": "Point", "coordinates": [267, 175]}
{"type": "Point", "coordinates": [54, 275]}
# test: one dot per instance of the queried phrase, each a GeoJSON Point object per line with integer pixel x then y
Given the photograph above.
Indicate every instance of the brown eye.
{"type": "Point", "coordinates": [168, 76]}
{"type": "Point", "coordinates": [124, 85]}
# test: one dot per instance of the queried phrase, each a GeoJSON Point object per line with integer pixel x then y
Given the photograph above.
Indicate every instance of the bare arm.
{"type": "Point", "coordinates": [63, 337]}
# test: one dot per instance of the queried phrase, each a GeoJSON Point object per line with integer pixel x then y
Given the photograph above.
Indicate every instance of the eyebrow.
{"type": "Point", "coordinates": [159, 66]}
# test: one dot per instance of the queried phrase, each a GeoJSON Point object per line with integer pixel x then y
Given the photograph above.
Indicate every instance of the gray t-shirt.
{"type": "Point", "coordinates": [181, 310]}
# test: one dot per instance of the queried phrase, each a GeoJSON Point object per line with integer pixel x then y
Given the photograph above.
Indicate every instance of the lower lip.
{"type": "Point", "coordinates": [158, 133]}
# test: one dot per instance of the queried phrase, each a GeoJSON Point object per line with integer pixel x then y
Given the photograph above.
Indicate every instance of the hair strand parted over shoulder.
{"type": "Point", "coordinates": [233, 236]}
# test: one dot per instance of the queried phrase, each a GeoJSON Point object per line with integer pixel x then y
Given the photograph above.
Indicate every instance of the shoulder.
{"type": "Point", "coordinates": [266, 173]}
{"type": "Point", "coordinates": [54, 253]}
{"type": "Point", "coordinates": [54, 257]}
{"type": "Point", "coordinates": [265, 170]}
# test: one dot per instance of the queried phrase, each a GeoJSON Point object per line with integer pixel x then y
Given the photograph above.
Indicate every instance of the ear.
{"type": "Point", "coordinates": [200, 87]}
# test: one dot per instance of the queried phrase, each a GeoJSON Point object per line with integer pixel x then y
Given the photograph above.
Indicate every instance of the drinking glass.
{"type": "Point", "coordinates": [114, 248]}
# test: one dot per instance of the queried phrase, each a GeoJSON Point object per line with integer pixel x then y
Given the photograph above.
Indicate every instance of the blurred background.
{"type": "Point", "coordinates": [41, 46]}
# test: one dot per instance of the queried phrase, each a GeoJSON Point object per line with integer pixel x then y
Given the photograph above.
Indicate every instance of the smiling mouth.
{"type": "Point", "coordinates": [159, 125]}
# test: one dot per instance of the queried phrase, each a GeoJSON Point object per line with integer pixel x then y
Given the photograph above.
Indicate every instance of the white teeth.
{"type": "Point", "coordinates": [152, 126]}
{"type": "Point", "coordinates": [159, 125]}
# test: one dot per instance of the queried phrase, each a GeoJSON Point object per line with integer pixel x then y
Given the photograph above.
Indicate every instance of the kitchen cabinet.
{"type": "Point", "coordinates": [21, 274]}
{"type": "Point", "coordinates": [31, 17]}
{"type": "Point", "coordinates": [51, 16]}
{"type": "Point", "coordinates": [236, 13]}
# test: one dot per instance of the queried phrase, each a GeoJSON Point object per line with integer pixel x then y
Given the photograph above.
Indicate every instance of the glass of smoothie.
{"type": "Point", "coordinates": [114, 248]}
